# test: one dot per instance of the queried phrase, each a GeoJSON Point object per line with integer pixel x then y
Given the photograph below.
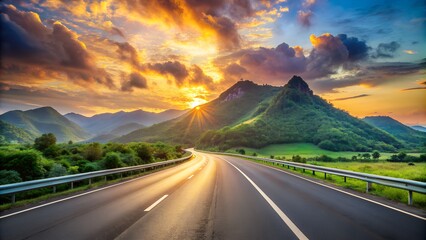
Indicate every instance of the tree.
{"type": "Point", "coordinates": [45, 141]}
{"type": "Point", "coordinates": [375, 155]}
{"type": "Point", "coordinates": [144, 152]}
{"type": "Point", "coordinates": [401, 156]}
{"type": "Point", "coordinates": [366, 156]}
{"type": "Point", "coordinates": [112, 160]}
{"type": "Point", "coordinates": [93, 152]}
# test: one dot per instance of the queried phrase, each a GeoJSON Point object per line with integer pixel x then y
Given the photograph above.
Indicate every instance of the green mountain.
{"type": "Point", "coordinates": [410, 136]}
{"type": "Point", "coordinates": [295, 114]}
{"type": "Point", "coordinates": [45, 120]}
{"type": "Point", "coordinates": [10, 133]}
{"type": "Point", "coordinates": [251, 115]}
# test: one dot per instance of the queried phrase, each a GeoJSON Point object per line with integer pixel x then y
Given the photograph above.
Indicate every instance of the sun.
{"type": "Point", "coordinates": [197, 108]}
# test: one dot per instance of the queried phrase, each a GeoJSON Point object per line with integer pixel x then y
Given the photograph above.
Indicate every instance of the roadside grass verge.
{"type": "Point", "coordinates": [63, 190]}
{"type": "Point", "coordinates": [395, 194]}
{"type": "Point", "coordinates": [307, 150]}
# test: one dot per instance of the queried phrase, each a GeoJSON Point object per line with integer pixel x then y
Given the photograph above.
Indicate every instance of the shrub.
{"type": "Point", "coordinates": [144, 152]}
{"type": "Point", "coordinates": [57, 170]}
{"type": "Point", "coordinates": [27, 163]}
{"type": "Point", "coordinates": [112, 160]}
{"type": "Point", "coordinates": [241, 151]}
{"type": "Point", "coordinates": [327, 145]}
{"type": "Point", "coordinates": [93, 152]}
{"type": "Point", "coordinates": [9, 176]}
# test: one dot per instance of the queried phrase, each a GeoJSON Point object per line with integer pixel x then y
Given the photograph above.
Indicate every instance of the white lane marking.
{"type": "Point", "coordinates": [156, 203]}
{"type": "Point", "coordinates": [280, 213]}
{"type": "Point", "coordinates": [78, 195]}
{"type": "Point", "coordinates": [190, 176]}
{"type": "Point", "coordinates": [348, 193]}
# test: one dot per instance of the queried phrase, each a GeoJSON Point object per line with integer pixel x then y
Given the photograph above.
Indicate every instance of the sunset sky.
{"type": "Point", "coordinates": [366, 57]}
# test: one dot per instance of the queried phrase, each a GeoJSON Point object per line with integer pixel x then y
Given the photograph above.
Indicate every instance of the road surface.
{"type": "Point", "coordinates": [214, 197]}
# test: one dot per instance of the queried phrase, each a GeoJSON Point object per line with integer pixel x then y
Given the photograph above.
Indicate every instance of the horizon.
{"type": "Point", "coordinates": [95, 57]}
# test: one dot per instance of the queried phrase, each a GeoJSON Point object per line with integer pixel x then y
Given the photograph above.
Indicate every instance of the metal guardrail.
{"type": "Point", "coordinates": [409, 185]}
{"type": "Point", "coordinates": [14, 188]}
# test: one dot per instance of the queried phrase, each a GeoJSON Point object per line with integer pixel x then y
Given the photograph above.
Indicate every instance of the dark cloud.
{"type": "Point", "coordinates": [327, 54]}
{"type": "Point", "coordinates": [26, 41]}
{"type": "Point", "coordinates": [374, 75]}
{"type": "Point", "coordinates": [235, 69]}
{"type": "Point", "coordinates": [414, 42]}
{"type": "Point", "coordinates": [198, 78]}
{"type": "Point", "coordinates": [386, 50]}
{"type": "Point", "coordinates": [128, 53]}
{"type": "Point", "coordinates": [304, 17]}
{"type": "Point", "coordinates": [357, 49]}
{"type": "Point", "coordinates": [136, 80]}
{"type": "Point", "coordinates": [351, 97]}
{"type": "Point", "coordinates": [175, 69]}
{"type": "Point", "coordinates": [116, 31]}
{"type": "Point", "coordinates": [414, 88]}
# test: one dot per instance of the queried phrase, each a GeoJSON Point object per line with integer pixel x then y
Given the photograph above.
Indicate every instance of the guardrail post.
{"type": "Point", "coordinates": [54, 189]}
{"type": "Point", "coordinates": [13, 198]}
{"type": "Point", "coordinates": [90, 181]}
{"type": "Point", "coordinates": [105, 178]}
{"type": "Point", "coordinates": [313, 173]}
{"type": "Point", "coordinates": [344, 179]}
{"type": "Point", "coordinates": [325, 175]}
{"type": "Point", "coordinates": [303, 170]}
{"type": "Point", "coordinates": [72, 185]}
{"type": "Point", "coordinates": [288, 166]}
{"type": "Point", "coordinates": [294, 168]}
{"type": "Point", "coordinates": [410, 197]}
{"type": "Point", "coordinates": [368, 186]}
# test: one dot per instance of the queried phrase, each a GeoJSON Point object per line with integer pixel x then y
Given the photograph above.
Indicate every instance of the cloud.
{"type": "Point", "coordinates": [352, 97]}
{"type": "Point", "coordinates": [136, 80]}
{"type": "Point", "coordinates": [175, 69]}
{"type": "Point", "coordinates": [128, 53]}
{"type": "Point", "coordinates": [358, 49]}
{"type": "Point", "coordinates": [209, 18]}
{"type": "Point", "coordinates": [198, 78]}
{"type": "Point", "coordinates": [386, 50]}
{"type": "Point", "coordinates": [304, 17]}
{"type": "Point", "coordinates": [327, 54]}
{"type": "Point", "coordinates": [414, 88]}
{"type": "Point", "coordinates": [27, 41]}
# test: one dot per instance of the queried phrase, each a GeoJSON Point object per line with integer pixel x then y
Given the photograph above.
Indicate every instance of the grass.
{"type": "Point", "coordinates": [401, 170]}
{"type": "Point", "coordinates": [306, 150]}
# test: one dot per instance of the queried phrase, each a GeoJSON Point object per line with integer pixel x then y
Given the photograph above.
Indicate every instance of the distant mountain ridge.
{"type": "Point", "coordinates": [419, 128]}
{"type": "Point", "coordinates": [106, 122]}
{"type": "Point", "coordinates": [250, 115]}
{"type": "Point", "coordinates": [402, 132]}
{"type": "Point", "coordinates": [45, 120]}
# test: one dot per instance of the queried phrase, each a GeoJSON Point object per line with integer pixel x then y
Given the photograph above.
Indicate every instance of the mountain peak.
{"type": "Point", "coordinates": [298, 83]}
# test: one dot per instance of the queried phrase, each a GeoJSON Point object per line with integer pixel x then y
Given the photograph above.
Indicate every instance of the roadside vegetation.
{"type": "Point", "coordinates": [45, 158]}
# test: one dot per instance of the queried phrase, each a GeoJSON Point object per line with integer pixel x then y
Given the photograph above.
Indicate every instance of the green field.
{"type": "Point", "coordinates": [304, 150]}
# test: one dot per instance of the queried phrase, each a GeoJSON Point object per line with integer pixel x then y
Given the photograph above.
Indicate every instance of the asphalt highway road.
{"type": "Point", "coordinates": [214, 197]}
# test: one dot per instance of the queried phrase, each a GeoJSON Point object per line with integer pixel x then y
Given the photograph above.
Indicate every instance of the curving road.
{"type": "Point", "coordinates": [214, 197]}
